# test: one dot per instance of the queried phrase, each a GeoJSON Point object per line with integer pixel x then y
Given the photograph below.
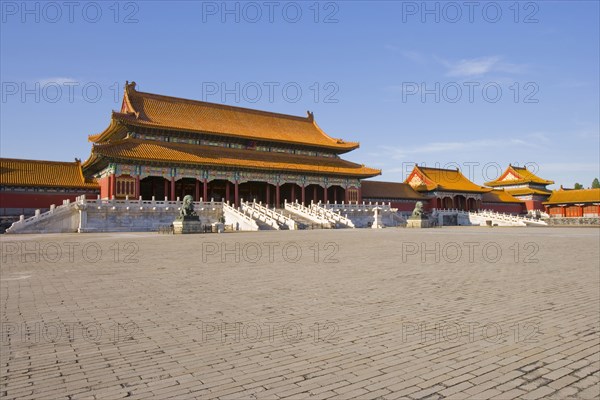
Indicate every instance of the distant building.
{"type": "Point", "coordinates": [574, 203]}
{"type": "Point", "coordinates": [446, 188]}
{"type": "Point", "coordinates": [401, 195]}
{"type": "Point", "coordinates": [27, 185]}
{"type": "Point", "coordinates": [502, 201]}
{"type": "Point", "coordinates": [524, 185]}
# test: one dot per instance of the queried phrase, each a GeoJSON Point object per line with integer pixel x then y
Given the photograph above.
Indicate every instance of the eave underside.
{"type": "Point", "coordinates": [139, 152]}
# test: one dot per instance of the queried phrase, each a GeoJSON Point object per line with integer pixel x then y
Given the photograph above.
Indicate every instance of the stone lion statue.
{"type": "Point", "coordinates": [418, 211]}
{"type": "Point", "coordinates": [187, 209]}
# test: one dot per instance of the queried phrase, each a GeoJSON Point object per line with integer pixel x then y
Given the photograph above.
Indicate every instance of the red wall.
{"type": "Point", "coordinates": [572, 211]}
{"type": "Point", "coordinates": [34, 200]}
{"type": "Point", "coordinates": [402, 206]}
{"type": "Point", "coordinates": [104, 188]}
{"type": "Point", "coordinates": [534, 205]}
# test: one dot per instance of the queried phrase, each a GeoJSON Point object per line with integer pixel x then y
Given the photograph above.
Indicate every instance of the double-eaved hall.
{"type": "Point", "coordinates": [169, 147]}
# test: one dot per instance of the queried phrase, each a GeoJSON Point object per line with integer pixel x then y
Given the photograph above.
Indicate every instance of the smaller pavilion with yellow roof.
{"type": "Point", "coordinates": [571, 203]}
{"type": "Point", "coordinates": [27, 185]}
{"type": "Point", "coordinates": [450, 189]}
{"type": "Point", "coordinates": [524, 185]}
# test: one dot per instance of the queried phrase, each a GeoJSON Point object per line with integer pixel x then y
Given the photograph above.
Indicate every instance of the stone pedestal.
{"type": "Point", "coordinates": [377, 222]}
{"type": "Point", "coordinates": [183, 226]}
{"type": "Point", "coordinates": [418, 223]}
{"type": "Point", "coordinates": [218, 227]}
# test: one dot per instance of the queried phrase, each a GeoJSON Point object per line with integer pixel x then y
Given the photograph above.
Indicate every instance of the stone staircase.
{"type": "Point", "coordinates": [241, 220]}
{"type": "Point", "coordinates": [333, 216]}
{"type": "Point", "coordinates": [302, 222]}
{"type": "Point", "coordinates": [485, 217]}
{"type": "Point", "coordinates": [65, 218]}
{"type": "Point", "coordinates": [309, 218]}
{"type": "Point", "coordinates": [272, 217]}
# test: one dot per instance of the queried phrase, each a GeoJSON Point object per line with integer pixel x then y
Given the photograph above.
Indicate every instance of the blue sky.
{"type": "Point", "coordinates": [475, 85]}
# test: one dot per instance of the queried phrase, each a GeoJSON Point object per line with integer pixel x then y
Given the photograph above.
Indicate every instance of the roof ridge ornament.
{"type": "Point", "coordinates": [311, 116]}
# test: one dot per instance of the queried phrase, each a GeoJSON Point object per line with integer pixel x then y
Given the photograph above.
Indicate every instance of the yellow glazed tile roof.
{"type": "Point", "coordinates": [499, 196]}
{"type": "Point", "coordinates": [164, 112]}
{"type": "Point", "coordinates": [516, 175]}
{"type": "Point", "coordinates": [527, 191]}
{"type": "Point", "coordinates": [183, 153]}
{"type": "Point", "coordinates": [389, 190]}
{"type": "Point", "coordinates": [17, 172]}
{"type": "Point", "coordinates": [574, 196]}
{"type": "Point", "coordinates": [426, 179]}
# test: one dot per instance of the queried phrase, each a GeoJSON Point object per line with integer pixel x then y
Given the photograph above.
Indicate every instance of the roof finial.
{"type": "Point", "coordinates": [311, 116]}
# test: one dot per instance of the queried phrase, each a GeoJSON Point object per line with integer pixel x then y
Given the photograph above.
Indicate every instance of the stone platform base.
{"type": "Point", "coordinates": [418, 223]}
{"type": "Point", "coordinates": [187, 227]}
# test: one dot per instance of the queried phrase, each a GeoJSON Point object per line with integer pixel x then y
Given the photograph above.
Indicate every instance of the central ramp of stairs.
{"type": "Point", "coordinates": [306, 217]}
{"type": "Point", "coordinates": [302, 222]}
{"type": "Point", "coordinates": [268, 218]}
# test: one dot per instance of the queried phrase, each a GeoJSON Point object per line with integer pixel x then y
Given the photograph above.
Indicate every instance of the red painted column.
{"type": "Point", "coordinates": [205, 190]}
{"type": "Point", "coordinates": [137, 186]}
{"type": "Point", "coordinates": [227, 194]}
{"type": "Point", "coordinates": [166, 189]}
{"type": "Point", "coordinates": [303, 195]}
{"type": "Point", "coordinates": [113, 186]}
{"type": "Point", "coordinates": [359, 195]}
{"type": "Point", "coordinates": [108, 192]}
{"type": "Point", "coordinates": [197, 190]}
{"type": "Point", "coordinates": [346, 194]}
{"type": "Point", "coordinates": [335, 194]}
{"type": "Point", "coordinates": [268, 194]}
{"type": "Point", "coordinates": [236, 194]}
{"type": "Point", "coordinates": [277, 202]}
{"type": "Point", "coordinates": [325, 195]}
{"type": "Point", "coordinates": [172, 188]}
{"type": "Point", "coordinates": [315, 194]}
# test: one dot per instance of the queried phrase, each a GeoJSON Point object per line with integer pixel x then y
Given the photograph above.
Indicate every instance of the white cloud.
{"type": "Point", "coordinates": [56, 81]}
{"type": "Point", "coordinates": [470, 67]}
{"type": "Point", "coordinates": [414, 56]}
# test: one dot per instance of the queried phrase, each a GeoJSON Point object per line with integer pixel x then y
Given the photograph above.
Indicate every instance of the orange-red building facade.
{"type": "Point", "coordinates": [574, 203]}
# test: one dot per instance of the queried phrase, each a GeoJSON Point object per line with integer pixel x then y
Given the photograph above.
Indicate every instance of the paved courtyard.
{"type": "Point", "coordinates": [443, 313]}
